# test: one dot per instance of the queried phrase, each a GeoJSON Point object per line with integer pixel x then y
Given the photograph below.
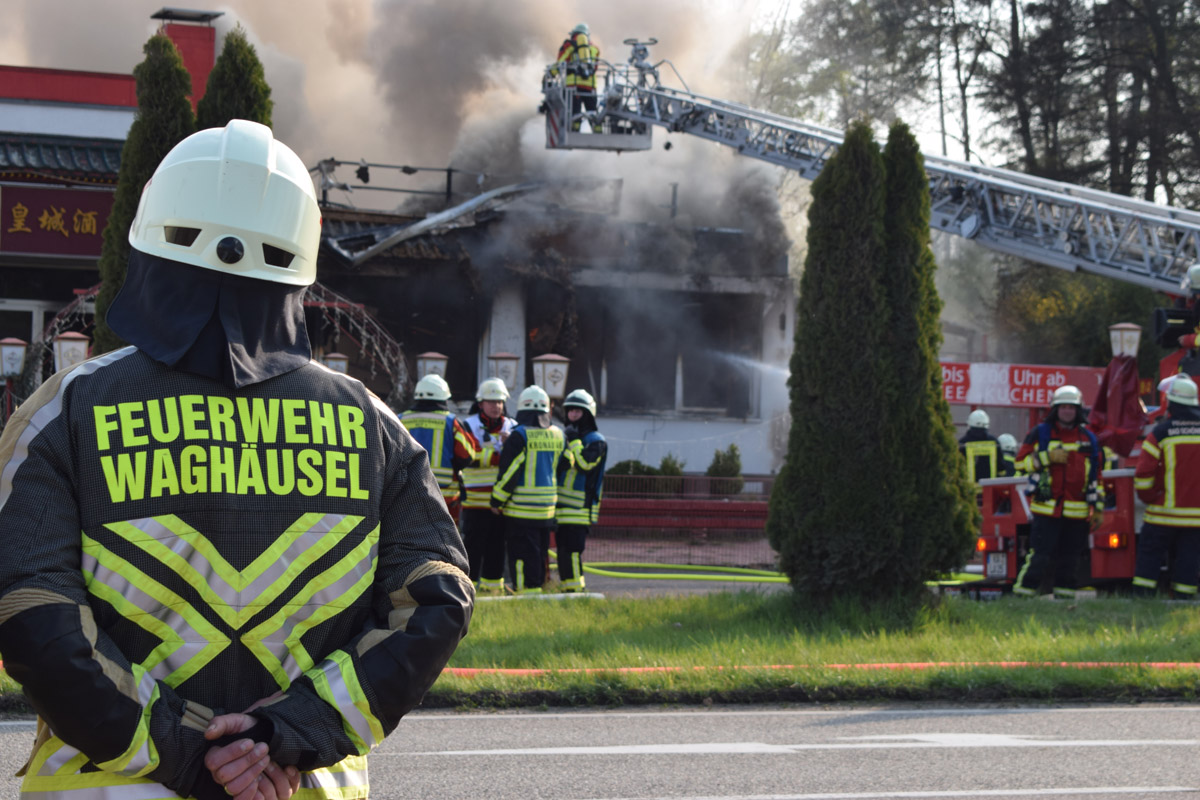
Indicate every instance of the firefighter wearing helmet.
{"type": "Point", "coordinates": [1168, 481]}
{"type": "Point", "coordinates": [1008, 454]}
{"type": "Point", "coordinates": [580, 487]}
{"type": "Point", "coordinates": [979, 447]}
{"type": "Point", "coordinates": [450, 446]}
{"type": "Point", "coordinates": [1063, 459]}
{"type": "Point", "coordinates": [483, 531]}
{"type": "Point", "coordinates": [179, 508]}
{"type": "Point", "coordinates": [578, 57]}
{"type": "Point", "coordinates": [526, 490]}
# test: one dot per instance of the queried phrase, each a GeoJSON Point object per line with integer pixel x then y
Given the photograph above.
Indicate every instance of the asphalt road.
{"type": "Point", "coordinates": [757, 753]}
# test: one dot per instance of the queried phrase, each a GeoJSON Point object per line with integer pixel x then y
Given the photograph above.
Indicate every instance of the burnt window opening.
{"type": "Point", "coordinates": [652, 352]}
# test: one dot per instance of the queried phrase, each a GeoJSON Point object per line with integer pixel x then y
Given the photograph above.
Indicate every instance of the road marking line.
{"type": "Point", "coordinates": [913, 742]}
{"type": "Point", "coordinates": [1087, 791]}
{"type": "Point", "coordinates": [433, 715]}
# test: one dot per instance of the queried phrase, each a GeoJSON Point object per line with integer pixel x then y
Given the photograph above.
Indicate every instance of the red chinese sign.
{"type": "Point", "coordinates": [1015, 385]}
{"type": "Point", "coordinates": [53, 222]}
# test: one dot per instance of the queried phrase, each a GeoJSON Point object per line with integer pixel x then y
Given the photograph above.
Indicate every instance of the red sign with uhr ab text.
{"type": "Point", "coordinates": [1015, 385]}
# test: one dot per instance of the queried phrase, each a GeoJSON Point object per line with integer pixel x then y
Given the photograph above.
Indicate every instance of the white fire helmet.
{"type": "Point", "coordinates": [582, 28]}
{"type": "Point", "coordinates": [1181, 389]}
{"type": "Point", "coordinates": [1008, 442]}
{"type": "Point", "coordinates": [978, 419]}
{"type": "Point", "coordinates": [1066, 396]}
{"type": "Point", "coordinates": [432, 387]}
{"type": "Point", "coordinates": [235, 200]}
{"type": "Point", "coordinates": [1191, 281]}
{"type": "Point", "coordinates": [492, 389]}
{"type": "Point", "coordinates": [580, 399]}
{"type": "Point", "coordinates": [533, 398]}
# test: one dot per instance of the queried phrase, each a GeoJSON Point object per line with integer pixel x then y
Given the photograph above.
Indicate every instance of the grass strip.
{"type": "Point", "coordinates": [764, 647]}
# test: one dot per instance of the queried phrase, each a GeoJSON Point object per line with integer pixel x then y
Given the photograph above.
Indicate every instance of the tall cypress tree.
{"type": "Point", "coordinates": [164, 118]}
{"type": "Point", "coordinates": [932, 499]}
{"type": "Point", "coordinates": [831, 516]}
{"type": "Point", "coordinates": [237, 86]}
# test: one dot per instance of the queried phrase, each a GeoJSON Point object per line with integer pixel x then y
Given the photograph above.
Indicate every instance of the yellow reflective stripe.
{"type": "Point", "coordinates": [141, 757]}
{"type": "Point", "coordinates": [194, 559]}
{"type": "Point", "coordinates": [337, 683]}
{"type": "Point", "coordinates": [188, 641]}
{"type": "Point", "coordinates": [1170, 461]}
{"type": "Point", "coordinates": [1143, 483]}
{"type": "Point", "coordinates": [322, 598]}
{"type": "Point", "coordinates": [1150, 447]}
{"type": "Point", "coordinates": [499, 492]}
{"type": "Point", "coordinates": [975, 450]}
{"type": "Point", "coordinates": [480, 476]}
{"type": "Point", "coordinates": [430, 422]}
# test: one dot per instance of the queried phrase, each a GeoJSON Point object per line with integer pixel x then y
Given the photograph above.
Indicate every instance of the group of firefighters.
{"type": "Point", "coordinates": [511, 483]}
{"type": "Point", "coordinates": [1064, 463]}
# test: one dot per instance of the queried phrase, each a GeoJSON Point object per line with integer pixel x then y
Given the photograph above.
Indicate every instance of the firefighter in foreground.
{"type": "Point", "coordinates": [578, 57]}
{"type": "Point", "coordinates": [209, 522]}
{"type": "Point", "coordinates": [1066, 499]}
{"type": "Point", "coordinates": [980, 448]}
{"type": "Point", "coordinates": [580, 487]}
{"type": "Point", "coordinates": [483, 531]}
{"type": "Point", "coordinates": [526, 491]}
{"type": "Point", "coordinates": [448, 443]}
{"type": "Point", "coordinates": [1168, 480]}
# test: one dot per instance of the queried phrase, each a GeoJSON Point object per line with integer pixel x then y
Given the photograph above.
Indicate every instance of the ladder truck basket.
{"type": "Point", "coordinates": [599, 129]}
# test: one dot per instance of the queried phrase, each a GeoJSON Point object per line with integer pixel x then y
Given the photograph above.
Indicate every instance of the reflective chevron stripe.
{"type": "Point", "coordinates": [337, 684]}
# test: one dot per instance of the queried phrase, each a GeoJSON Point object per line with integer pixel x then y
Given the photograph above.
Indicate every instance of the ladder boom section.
{"type": "Point", "coordinates": [1053, 223]}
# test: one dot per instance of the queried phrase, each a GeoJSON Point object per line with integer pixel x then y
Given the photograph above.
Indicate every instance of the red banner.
{"type": "Point", "coordinates": [53, 222]}
{"type": "Point", "coordinates": [1015, 385]}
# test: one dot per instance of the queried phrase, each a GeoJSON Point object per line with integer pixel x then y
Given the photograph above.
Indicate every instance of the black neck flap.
{"type": "Point", "coordinates": [232, 329]}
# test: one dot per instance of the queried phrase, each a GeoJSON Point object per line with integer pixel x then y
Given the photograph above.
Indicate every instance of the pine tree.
{"type": "Point", "coordinates": [931, 497]}
{"type": "Point", "coordinates": [237, 86]}
{"type": "Point", "coordinates": [164, 118]}
{"type": "Point", "coordinates": [831, 517]}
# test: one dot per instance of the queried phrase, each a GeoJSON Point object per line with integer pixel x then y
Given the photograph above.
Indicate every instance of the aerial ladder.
{"type": "Point", "coordinates": [1049, 222]}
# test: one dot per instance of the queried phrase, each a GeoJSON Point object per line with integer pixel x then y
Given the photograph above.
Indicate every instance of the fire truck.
{"type": "Point", "coordinates": [1048, 222]}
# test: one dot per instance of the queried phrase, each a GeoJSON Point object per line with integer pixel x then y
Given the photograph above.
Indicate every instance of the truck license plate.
{"type": "Point", "coordinates": [997, 565]}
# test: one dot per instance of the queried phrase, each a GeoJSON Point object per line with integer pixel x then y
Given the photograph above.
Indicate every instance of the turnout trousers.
{"type": "Point", "coordinates": [483, 534]}
{"type": "Point", "coordinates": [1155, 542]}
{"type": "Point", "coordinates": [1054, 543]}
{"type": "Point", "coordinates": [526, 553]}
{"type": "Point", "coordinates": [571, 539]}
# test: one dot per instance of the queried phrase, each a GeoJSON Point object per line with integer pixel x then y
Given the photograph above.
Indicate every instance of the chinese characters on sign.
{"type": "Point", "coordinates": [52, 221]}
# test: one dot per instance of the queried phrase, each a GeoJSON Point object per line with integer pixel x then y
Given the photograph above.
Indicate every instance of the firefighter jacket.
{"type": "Point", "coordinates": [527, 487]}
{"type": "Point", "coordinates": [177, 549]}
{"type": "Point", "coordinates": [1072, 489]}
{"type": "Point", "coordinates": [480, 477]}
{"type": "Point", "coordinates": [450, 446]}
{"type": "Point", "coordinates": [1168, 471]}
{"type": "Point", "coordinates": [579, 56]}
{"type": "Point", "coordinates": [581, 481]}
{"type": "Point", "coordinates": [982, 452]}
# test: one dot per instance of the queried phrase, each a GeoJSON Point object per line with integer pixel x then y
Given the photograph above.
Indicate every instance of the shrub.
{"type": "Point", "coordinates": [726, 464]}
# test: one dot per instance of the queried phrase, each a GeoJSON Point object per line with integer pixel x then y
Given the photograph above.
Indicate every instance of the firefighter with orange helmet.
{"type": "Point", "coordinates": [483, 531]}
{"type": "Point", "coordinates": [979, 447]}
{"type": "Point", "coordinates": [1067, 497]}
{"type": "Point", "coordinates": [209, 522]}
{"type": "Point", "coordinates": [1168, 481]}
{"type": "Point", "coordinates": [448, 443]}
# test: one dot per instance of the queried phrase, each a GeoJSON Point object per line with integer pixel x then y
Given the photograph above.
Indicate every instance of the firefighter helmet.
{"type": "Point", "coordinates": [1007, 442]}
{"type": "Point", "coordinates": [978, 419]}
{"type": "Point", "coordinates": [235, 200]}
{"type": "Point", "coordinates": [432, 387]}
{"type": "Point", "coordinates": [1066, 396]}
{"type": "Point", "coordinates": [533, 398]}
{"type": "Point", "coordinates": [492, 389]}
{"type": "Point", "coordinates": [581, 399]}
{"type": "Point", "coordinates": [582, 28]}
{"type": "Point", "coordinates": [1182, 390]}
{"type": "Point", "coordinates": [1192, 281]}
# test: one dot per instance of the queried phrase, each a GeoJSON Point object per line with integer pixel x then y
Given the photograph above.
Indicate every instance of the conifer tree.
{"type": "Point", "coordinates": [831, 517]}
{"type": "Point", "coordinates": [164, 118]}
{"type": "Point", "coordinates": [931, 497]}
{"type": "Point", "coordinates": [237, 86]}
